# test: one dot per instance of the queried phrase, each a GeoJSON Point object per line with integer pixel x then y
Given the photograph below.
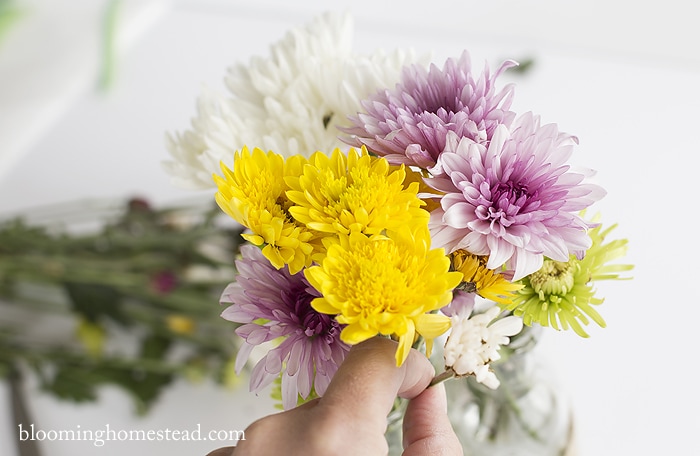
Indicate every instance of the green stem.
{"type": "Point", "coordinates": [108, 58]}
{"type": "Point", "coordinates": [63, 358]}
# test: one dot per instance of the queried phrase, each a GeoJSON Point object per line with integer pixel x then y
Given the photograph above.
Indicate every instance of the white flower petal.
{"type": "Point", "coordinates": [474, 342]}
{"type": "Point", "coordinates": [290, 103]}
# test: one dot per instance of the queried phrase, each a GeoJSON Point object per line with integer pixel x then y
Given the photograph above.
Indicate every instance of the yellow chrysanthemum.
{"type": "Point", "coordinates": [385, 284]}
{"type": "Point", "coordinates": [357, 193]}
{"type": "Point", "coordinates": [486, 282]}
{"type": "Point", "coordinates": [253, 194]}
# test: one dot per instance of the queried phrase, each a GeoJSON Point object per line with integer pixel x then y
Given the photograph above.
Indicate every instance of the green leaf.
{"type": "Point", "coordinates": [524, 66]}
{"type": "Point", "coordinates": [96, 302]}
{"type": "Point", "coordinates": [73, 383]}
{"type": "Point", "coordinates": [144, 387]}
{"type": "Point", "coordinates": [155, 346]}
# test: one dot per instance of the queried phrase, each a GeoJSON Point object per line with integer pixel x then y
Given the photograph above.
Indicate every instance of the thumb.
{"type": "Point", "coordinates": [426, 428]}
{"type": "Point", "coordinates": [368, 381]}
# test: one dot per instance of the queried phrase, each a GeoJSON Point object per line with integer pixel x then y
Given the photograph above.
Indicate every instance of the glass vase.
{"type": "Point", "coordinates": [527, 415]}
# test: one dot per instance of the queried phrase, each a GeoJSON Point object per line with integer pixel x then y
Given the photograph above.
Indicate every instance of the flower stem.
{"type": "Point", "coordinates": [448, 374]}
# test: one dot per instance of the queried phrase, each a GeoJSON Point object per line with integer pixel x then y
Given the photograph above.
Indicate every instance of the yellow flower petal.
{"type": "Point", "coordinates": [354, 334]}
{"type": "Point", "coordinates": [253, 194]}
{"type": "Point", "coordinates": [405, 344]}
{"type": "Point", "coordinates": [356, 192]}
{"type": "Point", "coordinates": [385, 284]}
{"type": "Point", "coordinates": [486, 282]}
{"type": "Point", "coordinates": [431, 326]}
{"type": "Point", "coordinates": [322, 305]}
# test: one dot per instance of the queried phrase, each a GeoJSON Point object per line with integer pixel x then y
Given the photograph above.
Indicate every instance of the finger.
{"type": "Point", "coordinates": [368, 380]}
{"type": "Point", "coordinates": [426, 428]}
{"type": "Point", "coordinates": [226, 451]}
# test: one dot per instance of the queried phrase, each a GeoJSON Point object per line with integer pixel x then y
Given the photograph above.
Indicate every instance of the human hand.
{"type": "Point", "coordinates": [350, 419]}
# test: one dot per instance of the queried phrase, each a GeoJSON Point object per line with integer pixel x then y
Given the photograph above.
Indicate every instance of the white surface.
{"type": "Point", "coordinates": [51, 55]}
{"type": "Point", "coordinates": [621, 75]}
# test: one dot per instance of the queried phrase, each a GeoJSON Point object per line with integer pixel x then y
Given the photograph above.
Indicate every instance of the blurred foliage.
{"type": "Point", "coordinates": [524, 66]}
{"type": "Point", "coordinates": [130, 301]}
{"type": "Point", "coordinates": [9, 15]}
{"type": "Point", "coordinates": [109, 28]}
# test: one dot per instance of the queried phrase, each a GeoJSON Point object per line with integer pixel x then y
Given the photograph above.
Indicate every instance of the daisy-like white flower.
{"type": "Point", "coordinates": [515, 199]}
{"type": "Point", "coordinates": [253, 194]}
{"type": "Point", "coordinates": [340, 194]}
{"type": "Point", "coordinates": [272, 303]}
{"type": "Point", "coordinates": [289, 102]}
{"type": "Point", "coordinates": [387, 285]}
{"type": "Point", "coordinates": [561, 293]}
{"type": "Point", "coordinates": [409, 124]}
{"type": "Point", "coordinates": [474, 342]}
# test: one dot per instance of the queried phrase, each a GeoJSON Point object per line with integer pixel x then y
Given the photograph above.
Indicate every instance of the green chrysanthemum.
{"type": "Point", "coordinates": [561, 294]}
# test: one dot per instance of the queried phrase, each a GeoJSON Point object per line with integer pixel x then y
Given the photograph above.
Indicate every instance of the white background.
{"type": "Point", "coordinates": [622, 75]}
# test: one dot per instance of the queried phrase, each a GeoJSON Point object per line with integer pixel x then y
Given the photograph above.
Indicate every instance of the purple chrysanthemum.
{"type": "Point", "coordinates": [311, 350]}
{"type": "Point", "coordinates": [410, 123]}
{"type": "Point", "coordinates": [514, 199]}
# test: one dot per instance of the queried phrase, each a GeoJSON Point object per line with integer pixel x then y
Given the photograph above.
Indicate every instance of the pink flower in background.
{"type": "Point", "coordinates": [310, 351]}
{"type": "Point", "coordinates": [410, 123]}
{"type": "Point", "coordinates": [514, 199]}
{"type": "Point", "coordinates": [163, 282]}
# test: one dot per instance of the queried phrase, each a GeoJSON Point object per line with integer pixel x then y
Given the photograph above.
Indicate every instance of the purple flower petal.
{"type": "Point", "coordinates": [514, 199]}
{"type": "Point", "coordinates": [411, 123]}
{"type": "Point", "coordinates": [311, 340]}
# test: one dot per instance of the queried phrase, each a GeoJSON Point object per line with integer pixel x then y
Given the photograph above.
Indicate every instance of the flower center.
{"type": "Point", "coordinates": [281, 209]}
{"type": "Point", "coordinates": [506, 200]}
{"type": "Point", "coordinates": [554, 278]}
{"type": "Point", "coordinates": [315, 324]}
{"type": "Point", "coordinates": [510, 193]}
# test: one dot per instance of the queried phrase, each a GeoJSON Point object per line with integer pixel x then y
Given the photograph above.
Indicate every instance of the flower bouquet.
{"type": "Point", "coordinates": [385, 196]}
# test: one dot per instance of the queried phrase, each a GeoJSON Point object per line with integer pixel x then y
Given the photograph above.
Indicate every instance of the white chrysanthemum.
{"type": "Point", "coordinates": [289, 102]}
{"type": "Point", "coordinates": [474, 343]}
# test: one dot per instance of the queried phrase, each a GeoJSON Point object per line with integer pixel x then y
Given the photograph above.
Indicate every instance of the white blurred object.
{"type": "Point", "coordinates": [54, 53]}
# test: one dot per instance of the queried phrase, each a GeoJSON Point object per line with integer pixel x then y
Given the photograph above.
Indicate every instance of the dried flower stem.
{"type": "Point", "coordinates": [448, 374]}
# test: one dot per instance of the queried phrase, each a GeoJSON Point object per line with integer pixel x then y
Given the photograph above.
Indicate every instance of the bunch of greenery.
{"type": "Point", "coordinates": [122, 294]}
